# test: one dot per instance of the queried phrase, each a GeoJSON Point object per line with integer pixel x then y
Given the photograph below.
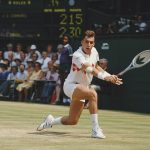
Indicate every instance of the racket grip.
{"type": "Point", "coordinates": [122, 73]}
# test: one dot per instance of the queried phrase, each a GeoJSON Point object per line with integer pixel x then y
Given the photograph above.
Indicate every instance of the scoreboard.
{"type": "Point", "coordinates": [67, 15]}
{"type": "Point", "coordinates": [49, 19]}
{"type": "Point", "coordinates": [20, 5]}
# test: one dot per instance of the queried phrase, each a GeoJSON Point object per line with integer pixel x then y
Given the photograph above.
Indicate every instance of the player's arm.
{"type": "Point", "coordinates": [83, 65]}
{"type": "Point", "coordinates": [108, 77]}
{"type": "Point", "coordinates": [101, 74]}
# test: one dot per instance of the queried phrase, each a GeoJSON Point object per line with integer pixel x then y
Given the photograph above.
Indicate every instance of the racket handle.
{"type": "Point", "coordinates": [122, 72]}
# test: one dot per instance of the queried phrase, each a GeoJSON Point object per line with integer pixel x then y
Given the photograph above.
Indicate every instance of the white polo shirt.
{"type": "Point", "coordinates": [76, 75]}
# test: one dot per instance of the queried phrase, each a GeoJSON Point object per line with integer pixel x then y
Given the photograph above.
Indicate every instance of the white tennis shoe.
{"type": "Point", "coordinates": [46, 124]}
{"type": "Point", "coordinates": [98, 133]}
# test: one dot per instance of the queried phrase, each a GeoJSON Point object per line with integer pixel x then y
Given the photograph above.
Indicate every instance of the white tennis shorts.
{"type": "Point", "coordinates": [69, 89]}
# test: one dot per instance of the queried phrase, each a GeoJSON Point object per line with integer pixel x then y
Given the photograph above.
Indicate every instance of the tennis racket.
{"type": "Point", "coordinates": [138, 61]}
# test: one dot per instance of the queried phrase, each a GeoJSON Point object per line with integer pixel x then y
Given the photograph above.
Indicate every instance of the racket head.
{"type": "Point", "coordinates": [141, 59]}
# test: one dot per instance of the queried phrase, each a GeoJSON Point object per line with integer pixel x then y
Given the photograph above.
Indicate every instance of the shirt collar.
{"type": "Point", "coordinates": [84, 52]}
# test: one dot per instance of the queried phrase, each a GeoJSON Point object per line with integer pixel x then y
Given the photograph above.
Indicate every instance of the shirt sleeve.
{"type": "Point", "coordinates": [97, 57]}
{"type": "Point", "coordinates": [96, 54]}
{"type": "Point", "coordinates": [78, 60]}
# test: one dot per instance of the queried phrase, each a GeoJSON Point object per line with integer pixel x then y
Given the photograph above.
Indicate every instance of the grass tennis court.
{"type": "Point", "coordinates": [18, 122]}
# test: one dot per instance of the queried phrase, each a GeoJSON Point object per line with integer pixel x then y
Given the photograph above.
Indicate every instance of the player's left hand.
{"type": "Point", "coordinates": [114, 79]}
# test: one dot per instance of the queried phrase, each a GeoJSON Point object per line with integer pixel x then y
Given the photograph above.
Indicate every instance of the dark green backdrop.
{"type": "Point", "coordinates": [134, 95]}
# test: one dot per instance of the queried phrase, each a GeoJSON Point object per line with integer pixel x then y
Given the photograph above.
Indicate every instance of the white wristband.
{"type": "Point", "coordinates": [103, 74]}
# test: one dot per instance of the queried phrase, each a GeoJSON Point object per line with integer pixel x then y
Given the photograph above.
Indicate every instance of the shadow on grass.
{"type": "Point", "coordinates": [60, 134]}
{"type": "Point", "coordinates": [48, 133]}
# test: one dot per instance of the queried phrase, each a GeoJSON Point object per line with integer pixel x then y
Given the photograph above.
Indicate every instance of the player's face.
{"type": "Point", "coordinates": [87, 44]}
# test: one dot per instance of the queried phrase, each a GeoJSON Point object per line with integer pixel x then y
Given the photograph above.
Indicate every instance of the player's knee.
{"type": "Point", "coordinates": [93, 95]}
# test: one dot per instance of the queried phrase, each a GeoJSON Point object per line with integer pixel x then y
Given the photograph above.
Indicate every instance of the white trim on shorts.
{"type": "Point", "coordinates": [69, 88]}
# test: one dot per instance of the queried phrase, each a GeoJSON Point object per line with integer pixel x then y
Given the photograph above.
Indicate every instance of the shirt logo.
{"type": "Point", "coordinates": [75, 68]}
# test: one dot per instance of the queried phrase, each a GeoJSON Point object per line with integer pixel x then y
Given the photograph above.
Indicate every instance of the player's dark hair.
{"type": "Point", "coordinates": [88, 33]}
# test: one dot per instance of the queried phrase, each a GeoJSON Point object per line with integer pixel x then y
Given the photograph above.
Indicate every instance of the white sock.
{"type": "Point", "coordinates": [57, 121]}
{"type": "Point", "coordinates": [94, 119]}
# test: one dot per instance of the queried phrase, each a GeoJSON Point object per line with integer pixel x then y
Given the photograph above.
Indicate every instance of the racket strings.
{"type": "Point", "coordinates": [141, 59]}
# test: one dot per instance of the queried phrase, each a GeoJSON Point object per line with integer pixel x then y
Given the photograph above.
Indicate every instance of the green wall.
{"type": "Point", "coordinates": [134, 94]}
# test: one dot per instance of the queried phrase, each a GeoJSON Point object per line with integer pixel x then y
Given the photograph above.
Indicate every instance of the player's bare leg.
{"type": "Point", "coordinates": [80, 93]}
{"type": "Point", "coordinates": [76, 108]}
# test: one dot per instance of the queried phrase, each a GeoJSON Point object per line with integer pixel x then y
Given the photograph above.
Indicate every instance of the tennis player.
{"type": "Point", "coordinates": [76, 86]}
